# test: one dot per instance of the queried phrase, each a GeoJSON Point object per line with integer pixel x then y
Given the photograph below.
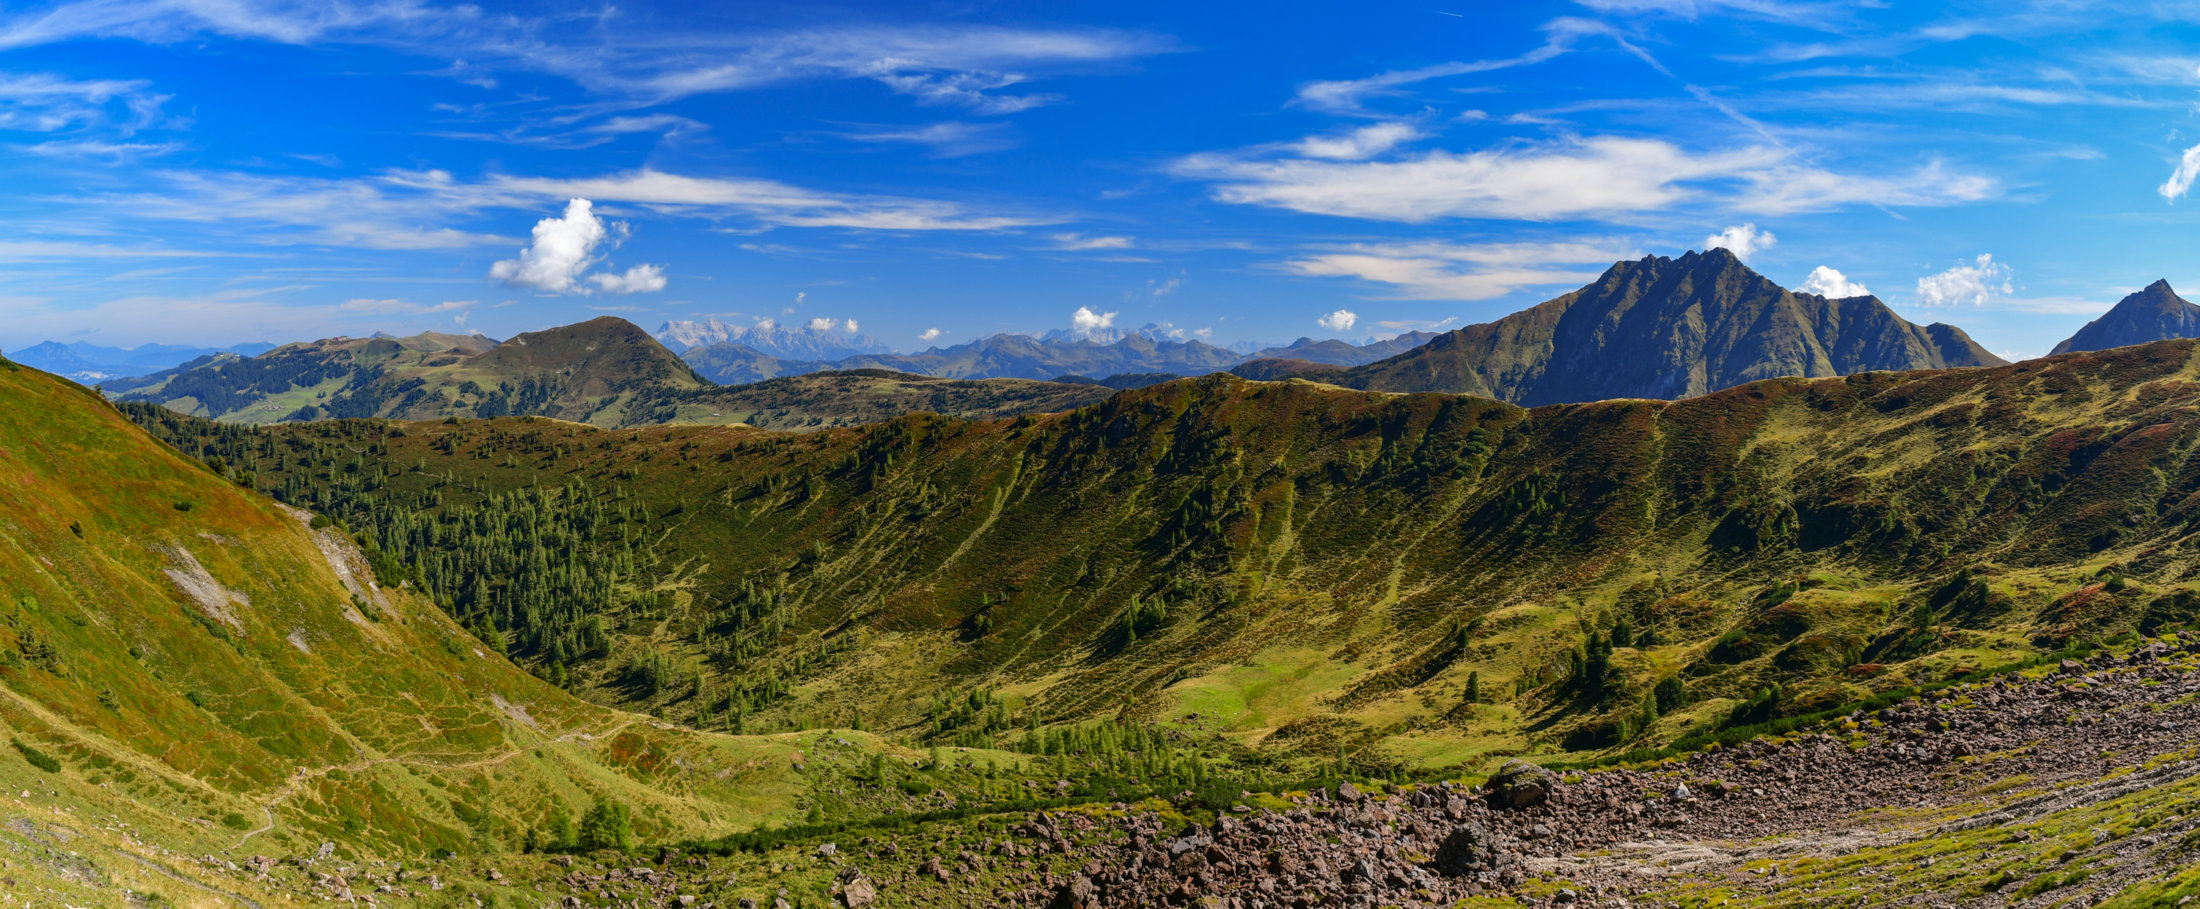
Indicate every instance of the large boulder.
{"type": "Point", "coordinates": [1079, 893]}
{"type": "Point", "coordinates": [856, 889]}
{"type": "Point", "coordinates": [1520, 784]}
{"type": "Point", "coordinates": [1468, 849]}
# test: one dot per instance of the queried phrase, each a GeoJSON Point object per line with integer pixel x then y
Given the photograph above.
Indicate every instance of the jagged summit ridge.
{"type": "Point", "coordinates": [1667, 328]}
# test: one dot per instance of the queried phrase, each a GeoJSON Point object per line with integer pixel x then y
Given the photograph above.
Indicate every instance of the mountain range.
{"type": "Point", "coordinates": [949, 649]}
{"type": "Point", "coordinates": [1663, 328]}
{"type": "Point", "coordinates": [87, 362]}
{"type": "Point", "coordinates": [787, 342]}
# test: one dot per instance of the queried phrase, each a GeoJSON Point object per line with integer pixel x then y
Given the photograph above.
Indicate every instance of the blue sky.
{"type": "Point", "coordinates": [208, 171]}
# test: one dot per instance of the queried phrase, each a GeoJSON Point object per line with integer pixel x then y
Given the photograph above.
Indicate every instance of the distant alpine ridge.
{"type": "Point", "coordinates": [772, 339]}
{"type": "Point", "coordinates": [2155, 313]}
{"type": "Point", "coordinates": [1660, 327]}
{"type": "Point", "coordinates": [92, 363]}
{"type": "Point", "coordinates": [1151, 352]}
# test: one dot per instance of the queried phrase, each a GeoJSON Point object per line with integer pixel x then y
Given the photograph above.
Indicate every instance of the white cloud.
{"type": "Point", "coordinates": [1080, 242]}
{"type": "Point", "coordinates": [766, 324]}
{"type": "Point", "coordinates": [620, 56]}
{"type": "Point", "coordinates": [1165, 288]}
{"type": "Point", "coordinates": [849, 326]}
{"type": "Point", "coordinates": [1826, 282]}
{"type": "Point", "coordinates": [565, 248]}
{"type": "Point", "coordinates": [1443, 271]}
{"type": "Point", "coordinates": [1344, 96]}
{"type": "Point", "coordinates": [1743, 240]}
{"type": "Point", "coordinates": [1365, 142]}
{"type": "Point", "coordinates": [1404, 325]}
{"type": "Point", "coordinates": [640, 279]}
{"type": "Point", "coordinates": [769, 201]}
{"type": "Point", "coordinates": [952, 139]}
{"type": "Point", "coordinates": [1340, 321]}
{"type": "Point", "coordinates": [403, 209]}
{"type": "Point", "coordinates": [930, 334]}
{"type": "Point", "coordinates": [2180, 180]}
{"type": "Point", "coordinates": [1084, 319]}
{"type": "Point", "coordinates": [45, 103]}
{"type": "Point", "coordinates": [1973, 284]}
{"type": "Point", "coordinates": [1600, 177]}
{"type": "Point", "coordinates": [823, 323]}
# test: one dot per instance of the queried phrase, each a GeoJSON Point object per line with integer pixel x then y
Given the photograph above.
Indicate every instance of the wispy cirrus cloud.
{"type": "Point", "coordinates": [419, 210]}
{"type": "Point", "coordinates": [1451, 271]}
{"type": "Point", "coordinates": [1592, 178]}
{"type": "Point", "coordinates": [948, 139]}
{"type": "Point", "coordinates": [633, 58]}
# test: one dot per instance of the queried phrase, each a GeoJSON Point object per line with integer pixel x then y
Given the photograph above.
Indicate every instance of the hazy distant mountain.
{"type": "Point", "coordinates": [771, 339]}
{"type": "Point", "coordinates": [2156, 313]}
{"type": "Point", "coordinates": [1135, 354]}
{"type": "Point", "coordinates": [734, 363]}
{"type": "Point", "coordinates": [93, 363]}
{"type": "Point", "coordinates": [1660, 328]}
{"type": "Point", "coordinates": [1336, 352]}
{"type": "Point", "coordinates": [1026, 357]}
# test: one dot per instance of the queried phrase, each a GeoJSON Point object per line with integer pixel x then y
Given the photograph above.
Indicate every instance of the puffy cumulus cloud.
{"type": "Point", "coordinates": [565, 248]}
{"type": "Point", "coordinates": [1598, 177]}
{"type": "Point", "coordinates": [823, 323]}
{"type": "Point", "coordinates": [930, 334]}
{"type": "Point", "coordinates": [1446, 271]}
{"type": "Point", "coordinates": [1365, 142]}
{"type": "Point", "coordinates": [1084, 319]}
{"type": "Point", "coordinates": [1743, 240]}
{"type": "Point", "coordinates": [1827, 282]}
{"type": "Point", "coordinates": [2180, 180]}
{"type": "Point", "coordinates": [641, 279]}
{"type": "Point", "coordinates": [848, 326]}
{"type": "Point", "coordinates": [1974, 284]}
{"type": "Point", "coordinates": [1339, 321]}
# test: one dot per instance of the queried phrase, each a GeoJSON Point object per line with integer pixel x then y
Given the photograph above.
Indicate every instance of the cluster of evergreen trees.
{"type": "Point", "coordinates": [531, 570]}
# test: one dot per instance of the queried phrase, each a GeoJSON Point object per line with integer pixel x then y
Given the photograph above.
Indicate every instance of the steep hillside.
{"type": "Point", "coordinates": [1662, 328]}
{"type": "Point", "coordinates": [204, 671]}
{"type": "Point", "coordinates": [1306, 568]}
{"type": "Point", "coordinates": [2155, 313]}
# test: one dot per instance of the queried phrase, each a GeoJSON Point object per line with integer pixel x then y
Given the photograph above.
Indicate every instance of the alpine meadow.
{"type": "Point", "coordinates": [1603, 453]}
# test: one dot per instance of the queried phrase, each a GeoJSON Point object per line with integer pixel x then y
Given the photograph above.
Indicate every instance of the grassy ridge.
{"type": "Point", "coordinates": [199, 662]}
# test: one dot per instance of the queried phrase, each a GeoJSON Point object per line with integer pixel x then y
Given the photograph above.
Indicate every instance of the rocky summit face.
{"type": "Point", "coordinates": [1666, 328]}
{"type": "Point", "coordinates": [2155, 313]}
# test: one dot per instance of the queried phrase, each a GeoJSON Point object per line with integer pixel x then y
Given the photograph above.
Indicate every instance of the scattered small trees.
{"type": "Point", "coordinates": [607, 825]}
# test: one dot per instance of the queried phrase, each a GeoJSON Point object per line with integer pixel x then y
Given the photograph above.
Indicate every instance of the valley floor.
{"type": "Point", "coordinates": [2075, 785]}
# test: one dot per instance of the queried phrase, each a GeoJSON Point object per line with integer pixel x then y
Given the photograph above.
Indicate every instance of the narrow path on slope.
{"type": "Point", "coordinates": [298, 780]}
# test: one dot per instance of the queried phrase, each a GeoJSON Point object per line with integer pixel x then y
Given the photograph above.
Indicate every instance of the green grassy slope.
{"type": "Point", "coordinates": [216, 675]}
{"type": "Point", "coordinates": [1307, 569]}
